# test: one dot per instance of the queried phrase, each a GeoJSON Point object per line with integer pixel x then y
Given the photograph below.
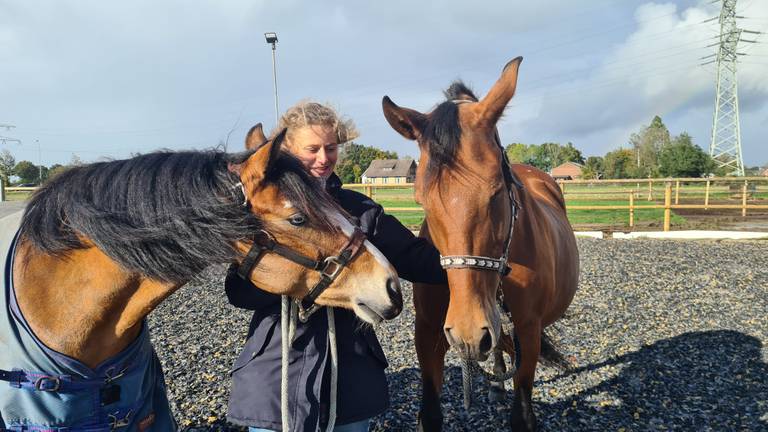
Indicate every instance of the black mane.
{"type": "Point", "coordinates": [166, 215]}
{"type": "Point", "coordinates": [442, 133]}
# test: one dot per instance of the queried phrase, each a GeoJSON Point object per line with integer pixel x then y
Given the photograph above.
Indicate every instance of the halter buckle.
{"type": "Point", "coordinates": [334, 264]}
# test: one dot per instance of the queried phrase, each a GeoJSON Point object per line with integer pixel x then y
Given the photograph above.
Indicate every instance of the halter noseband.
{"type": "Point", "coordinates": [328, 267]}
{"type": "Point", "coordinates": [481, 262]}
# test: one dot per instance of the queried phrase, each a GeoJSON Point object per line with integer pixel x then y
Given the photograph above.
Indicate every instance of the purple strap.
{"type": "Point", "coordinates": [39, 381]}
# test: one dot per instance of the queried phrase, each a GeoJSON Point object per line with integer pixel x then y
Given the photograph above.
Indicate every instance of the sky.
{"type": "Point", "coordinates": [97, 79]}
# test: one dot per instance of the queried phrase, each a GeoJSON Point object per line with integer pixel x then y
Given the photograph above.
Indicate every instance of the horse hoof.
{"type": "Point", "coordinates": [426, 424]}
{"type": "Point", "coordinates": [496, 394]}
{"type": "Point", "coordinates": [523, 423]}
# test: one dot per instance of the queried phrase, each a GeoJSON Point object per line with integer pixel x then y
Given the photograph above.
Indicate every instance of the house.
{"type": "Point", "coordinates": [764, 172]}
{"type": "Point", "coordinates": [390, 171]}
{"type": "Point", "coordinates": [567, 171]}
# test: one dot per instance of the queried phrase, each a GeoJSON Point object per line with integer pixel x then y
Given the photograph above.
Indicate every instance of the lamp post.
{"type": "Point", "coordinates": [271, 38]}
{"type": "Point", "coordinates": [40, 166]}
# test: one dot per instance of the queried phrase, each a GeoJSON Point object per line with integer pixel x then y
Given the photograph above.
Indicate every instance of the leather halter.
{"type": "Point", "coordinates": [482, 262]}
{"type": "Point", "coordinates": [329, 267]}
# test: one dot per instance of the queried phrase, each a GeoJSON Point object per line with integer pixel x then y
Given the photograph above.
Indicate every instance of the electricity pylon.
{"type": "Point", "coordinates": [725, 147]}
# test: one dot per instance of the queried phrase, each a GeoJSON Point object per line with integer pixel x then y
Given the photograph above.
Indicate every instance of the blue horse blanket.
{"type": "Point", "coordinates": [42, 390]}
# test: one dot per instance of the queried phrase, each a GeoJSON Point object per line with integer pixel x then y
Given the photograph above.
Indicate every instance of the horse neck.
{"type": "Point", "coordinates": [83, 304]}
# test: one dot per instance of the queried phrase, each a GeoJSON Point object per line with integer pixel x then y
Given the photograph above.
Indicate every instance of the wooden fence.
{"type": "Point", "coordinates": [635, 191]}
{"type": "Point", "coordinates": [639, 194]}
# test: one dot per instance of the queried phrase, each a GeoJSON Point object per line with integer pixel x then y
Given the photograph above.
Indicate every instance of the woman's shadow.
{"type": "Point", "coordinates": [706, 380]}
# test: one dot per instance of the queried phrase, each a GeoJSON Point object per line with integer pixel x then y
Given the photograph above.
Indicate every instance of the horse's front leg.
{"type": "Point", "coordinates": [523, 417]}
{"type": "Point", "coordinates": [431, 303]}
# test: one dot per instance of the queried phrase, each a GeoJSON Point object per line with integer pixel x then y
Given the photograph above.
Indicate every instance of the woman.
{"type": "Point", "coordinates": [314, 135]}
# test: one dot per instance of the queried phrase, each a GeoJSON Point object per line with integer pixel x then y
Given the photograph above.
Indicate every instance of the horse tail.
{"type": "Point", "coordinates": [550, 354]}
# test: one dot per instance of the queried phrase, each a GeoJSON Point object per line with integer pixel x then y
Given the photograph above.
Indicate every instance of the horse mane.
{"type": "Point", "coordinates": [442, 132]}
{"type": "Point", "coordinates": [166, 215]}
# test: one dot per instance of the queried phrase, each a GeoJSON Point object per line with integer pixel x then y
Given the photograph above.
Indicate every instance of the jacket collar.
{"type": "Point", "coordinates": [333, 185]}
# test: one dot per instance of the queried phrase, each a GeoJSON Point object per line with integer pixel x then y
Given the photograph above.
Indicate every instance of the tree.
{"type": "Point", "coordinates": [56, 169]}
{"type": "Point", "coordinates": [7, 163]}
{"type": "Point", "coordinates": [549, 155]}
{"type": "Point", "coordinates": [619, 164]}
{"type": "Point", "coordinates": [355, 158]}
{"type": "Point", "coordinates": [647, 144]}
{"type": "Point", "coordinates": [27, 172]}
{"type": "Point", "coordinates": [594, 168]}
{"type": "Point", "coordinates": [520, 153]}
{"type": "Point", "coordinates": [681, 158]}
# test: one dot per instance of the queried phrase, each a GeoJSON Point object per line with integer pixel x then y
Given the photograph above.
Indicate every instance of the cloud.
{"type": "Point", "coordinates": [654, 70]}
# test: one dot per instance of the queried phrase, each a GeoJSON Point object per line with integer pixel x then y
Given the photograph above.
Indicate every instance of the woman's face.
{"type": "Point", "coordinates": [316, 147]}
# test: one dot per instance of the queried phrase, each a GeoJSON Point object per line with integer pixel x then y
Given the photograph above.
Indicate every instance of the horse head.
{"type": "Point", "coordinates": [468, 202]}
{"type": "Point", "coordinates": [309, 249]}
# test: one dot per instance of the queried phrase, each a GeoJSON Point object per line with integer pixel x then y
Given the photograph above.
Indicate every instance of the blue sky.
{"type": "Point", "coordinates": [102, 79]}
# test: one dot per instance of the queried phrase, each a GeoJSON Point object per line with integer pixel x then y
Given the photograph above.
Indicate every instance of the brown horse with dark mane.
{"type": "Point", "coordinates": [101, 245]}
{"type": "Point", "coordinates": [499, 227]}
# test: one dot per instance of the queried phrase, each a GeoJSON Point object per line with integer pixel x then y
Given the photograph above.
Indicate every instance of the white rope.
{"type": "Point", "coordinates": [466, 382]}
{"type": "Point", "coordinates": [286, 343]}
{"type": "Point", "coordinates": [334, 369]}
{"type": "Point", "coordinates": [288, 320]}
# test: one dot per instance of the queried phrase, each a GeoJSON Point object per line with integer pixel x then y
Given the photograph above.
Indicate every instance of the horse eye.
{"type": "Point", "coordinates": [298, 219]}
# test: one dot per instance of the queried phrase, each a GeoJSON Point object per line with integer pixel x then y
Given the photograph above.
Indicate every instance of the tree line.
{"type": "Point", "coordinates": [26, 172]}
{"type": "Point", "coordinates": [652, 152]}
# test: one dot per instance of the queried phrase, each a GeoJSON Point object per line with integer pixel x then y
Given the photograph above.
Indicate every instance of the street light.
{"type": "Point", "coordinates": [271, 38]}
{"type": "Point", "coordinates": [40, 167]}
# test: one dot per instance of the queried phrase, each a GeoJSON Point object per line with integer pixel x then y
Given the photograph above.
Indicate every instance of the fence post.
{"type": "Point", "coordinates": [369, 191]}
{"type": "Point", "coordinates": [744, 199]}
{"type": "Point", "coordinates": [667, 205]}
{"type": "Point", "coordinates": [650, 190]}
{"type": "Point", "coordinates": [706, 196]}
{"type": "Point", "coordinates": [2, 190]}
{"type": "Point", "coordinates": [631, 208]}
{"type": "Point", "coordinates": [677, 192]}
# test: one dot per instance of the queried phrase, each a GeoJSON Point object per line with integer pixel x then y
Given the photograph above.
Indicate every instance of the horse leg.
{"type": "Point", "coordinates": [523, 417]}
{"type": "Point", "coordinates": [431, 347]}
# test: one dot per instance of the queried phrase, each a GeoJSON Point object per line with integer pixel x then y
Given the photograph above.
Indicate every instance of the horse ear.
{"type": "Point", "coordinates": [255, 137]}
{"type": "Point", "coordinates": [493, 104]}
{"type": "Point", "coordinates": [405, 121]}
{"type": "Point", "coordinates": [261, 161]}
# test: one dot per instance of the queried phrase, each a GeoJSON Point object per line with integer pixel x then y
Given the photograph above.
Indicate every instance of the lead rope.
{"type": "Point", "coordinates": [334, 369]}
{"type": "Point", "coordinates": [288, 319]}
{"type": "Point", "coordinates": [285, 312]}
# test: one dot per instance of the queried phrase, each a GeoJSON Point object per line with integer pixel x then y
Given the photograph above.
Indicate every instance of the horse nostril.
{"type": "Point", "coordinates": [393, 289]}
{"type": "Point", "coordinates": [486, 342]}
{"type": "Point", "coordinates": [449, 336]}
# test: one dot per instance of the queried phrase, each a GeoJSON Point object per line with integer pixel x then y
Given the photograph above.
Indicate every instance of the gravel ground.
{"type": "Point", "coordinates": [667, 335]}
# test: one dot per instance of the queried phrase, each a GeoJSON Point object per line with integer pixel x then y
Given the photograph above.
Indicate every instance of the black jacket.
{"type": "Point", "coordinates": [362, 385]}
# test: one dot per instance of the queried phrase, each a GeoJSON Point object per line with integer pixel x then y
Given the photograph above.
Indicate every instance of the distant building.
{"type": "Point", "coordinates": [567, 171]}
{"type": "Point", "coordinates": [764, 172]}
{"type": "Point", "coordinates": [390, 171]}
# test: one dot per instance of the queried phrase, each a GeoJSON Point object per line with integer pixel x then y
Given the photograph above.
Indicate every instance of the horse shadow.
{"type": "Point", "coordinates": [704, 380]}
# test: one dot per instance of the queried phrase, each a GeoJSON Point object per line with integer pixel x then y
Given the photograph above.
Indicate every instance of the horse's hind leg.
{"type": "Point", "coordinates": [431, 303]}
{"type": "Point", "coordinates": [523, 417]}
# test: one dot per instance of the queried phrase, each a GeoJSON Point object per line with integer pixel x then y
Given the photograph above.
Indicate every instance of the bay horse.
{"type": "Point", "coordinates": [100, 246]}
{"type": "Point", "coordinates": [496, 226]}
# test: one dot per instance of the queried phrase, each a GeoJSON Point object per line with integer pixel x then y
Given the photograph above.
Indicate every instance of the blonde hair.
{"type": "Point", "coordinates": [310, 113]}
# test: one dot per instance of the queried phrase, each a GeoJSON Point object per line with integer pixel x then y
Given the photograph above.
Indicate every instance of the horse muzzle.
{"type": "Point", "coordinates": [476, 346]}
{"type": "Point", "coordinates": [376, 311]}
